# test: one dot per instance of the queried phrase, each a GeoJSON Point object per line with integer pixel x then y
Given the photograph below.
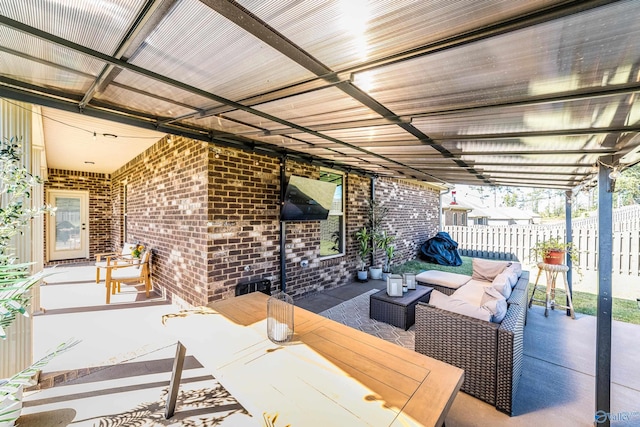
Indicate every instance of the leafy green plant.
{"type": "Point", "coordinates": [376, 215]}
{"type": "Point", "coordinates": [15, 283]}
{"type": "Point", "coordinates": [363, 238]}
{"type": "Point", "coordinates": [16, 183]}
{"type": "Point", "coordinates": [384, 241]}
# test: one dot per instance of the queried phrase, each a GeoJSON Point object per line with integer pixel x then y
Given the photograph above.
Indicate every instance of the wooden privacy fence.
{"type": "Point", "coordinates": [514, 242]}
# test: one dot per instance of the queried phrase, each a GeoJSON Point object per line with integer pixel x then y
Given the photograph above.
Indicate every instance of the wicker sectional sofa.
{"type": "Point", "coordinates": [490, 353]}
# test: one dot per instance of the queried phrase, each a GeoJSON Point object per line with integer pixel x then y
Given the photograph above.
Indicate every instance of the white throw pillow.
{"type": "Point", "coordinates": [485, 269]}
{"type": "Point", "coordinates": [454, 305]}
{"type": "Point", "coordinates": [495, 303]}
{"type": "Point", "coordinates": [513, 274]}
{"type": "Point", "coordinates": [502, 283]}
{"type": "Point", "coordinates": [517, 267]}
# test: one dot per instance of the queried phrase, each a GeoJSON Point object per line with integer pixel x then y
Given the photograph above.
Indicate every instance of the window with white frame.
{"type": "Point", "coordinates": [332, 229]}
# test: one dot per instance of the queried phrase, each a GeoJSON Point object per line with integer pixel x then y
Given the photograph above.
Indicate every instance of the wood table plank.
{"type": "Point", "coordinates": [329, 374]}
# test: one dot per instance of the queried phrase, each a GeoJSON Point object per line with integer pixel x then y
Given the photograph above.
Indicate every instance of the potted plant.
{"type": "Point", "coordinates": [363, 237]}
{"type": "Point", "coordinates": [553, 250]}
{"type": "Point", "coordinates": [385, 241]}
{"type": "Point", "coordinates": [376, 214]}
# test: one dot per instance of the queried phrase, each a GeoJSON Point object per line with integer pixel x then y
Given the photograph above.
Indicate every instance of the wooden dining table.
{"type": "Point", "coordinates": [328, 375]}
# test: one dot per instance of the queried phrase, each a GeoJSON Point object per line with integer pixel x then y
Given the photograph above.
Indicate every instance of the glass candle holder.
{"type": "Point", "coordinates": [280, 318]}
{"type": "Point", "coordinates": [409, 280]}
{"type": "Point", "coordinates": [394, 285]}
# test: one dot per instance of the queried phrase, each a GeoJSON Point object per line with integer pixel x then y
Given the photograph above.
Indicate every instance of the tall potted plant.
{"type": "Point", "coordinates": [376, 214]}
{"type": "Point", "coordinates": [363, 238]}
{"type": "Point", "coordinates": [386, 244]}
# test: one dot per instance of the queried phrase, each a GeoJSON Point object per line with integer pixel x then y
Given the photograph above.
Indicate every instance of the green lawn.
{"type": "Point", "coordinates": [583, 302]}
{"type": "Point", "coordinates": [417, 266]}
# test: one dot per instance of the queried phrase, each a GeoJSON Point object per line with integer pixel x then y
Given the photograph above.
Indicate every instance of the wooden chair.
{"type": "Point", "coordinates": [106, 259]}
{"type": "Point", "coordinates": [129, 271]}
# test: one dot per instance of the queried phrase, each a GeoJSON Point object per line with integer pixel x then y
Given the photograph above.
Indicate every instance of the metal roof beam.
{"type": "Point", "coordinates": [515, 177]}
{"type": "Point", "coordinates": [274, 95]}
{"type": "Point", "coordinates": [623, 109]}
{"type": "Point", "coordinates": [498, 173]}
{"type": "Point", "coordinates": [150, 15]}
{"type": "Point", "coordinates": [45, 62]}
{"type": "Point", "coordinates": [552, 152]}
{"type": "Point", "coordinates": [541, 133]}
{"type": "Point", "coordinates": [574, 95]}
{"type": "Point", "coordinates": [48, 100]}
{"type": "Point", "coordinates": [535, 164]}
{"type": "Point", "coordinates": [175, 83]}
{"type": "Point", "coordinates": [261, 30]}
{"type": "Point", "coordinates": [89, 76]}
{"type": "Point", "coordinates": [533, 185]}
{"type": "Point", "coordinates": [539, 16]}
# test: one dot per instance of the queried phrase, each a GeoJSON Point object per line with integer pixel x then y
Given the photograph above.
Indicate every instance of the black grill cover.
{"type": "Point", "coordinates": [441, 249]}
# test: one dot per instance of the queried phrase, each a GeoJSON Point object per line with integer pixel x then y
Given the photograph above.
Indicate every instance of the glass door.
{"type": "Point", "coordinates": [68, 231]}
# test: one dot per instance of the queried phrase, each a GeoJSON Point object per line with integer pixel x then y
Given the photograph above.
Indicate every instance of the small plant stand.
{"type": "Point", "coordinates": [552, 271]}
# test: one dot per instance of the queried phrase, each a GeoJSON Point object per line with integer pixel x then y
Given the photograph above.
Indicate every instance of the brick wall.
{"type": "Point", "coordinates": [358, 193]}
{"type": "Point", "coordinates": [413, 215]}
{"type": "Point", "coordinates": [167, 210]}
{"type": "Point", "coordinates": [449, 217]}
{"type": "Point", "coordinates": [244, 193]}
{"type": "Point", "coordinates": [99, 187]}
{"type": "Point", "coordinates": [211, 215]}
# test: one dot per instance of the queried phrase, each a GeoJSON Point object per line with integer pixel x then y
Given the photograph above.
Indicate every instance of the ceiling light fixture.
{"type": "Point", "coordinates": [614, 174]}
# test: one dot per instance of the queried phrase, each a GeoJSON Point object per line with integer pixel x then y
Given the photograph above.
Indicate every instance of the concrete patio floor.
{"type": "Point", "coordinates": [119, 373]}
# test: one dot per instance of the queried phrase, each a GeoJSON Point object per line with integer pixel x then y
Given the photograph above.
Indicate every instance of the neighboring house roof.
{"type": "Point", "coordinates": [449, 203]}
{"type": "Point", "coordinates": [456, 207]}
{"type": "Point", "coordinates": [476, 210]}
{"type": "Point", "coordinates": [502, 213]}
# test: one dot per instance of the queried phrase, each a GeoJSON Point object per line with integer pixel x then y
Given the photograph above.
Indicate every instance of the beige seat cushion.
{"type": "Point", "coordinates": [455, 305]}
{"type": "Point", "coordinates": [481, 294]}
{"type": "Point", "coordinates": [486, 269]}
{"type": "Point", "coordinates": [442, 278]}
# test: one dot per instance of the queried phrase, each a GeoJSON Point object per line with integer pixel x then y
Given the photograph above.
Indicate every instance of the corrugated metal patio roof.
{"type": "Point", "coordinates": [503, 92]}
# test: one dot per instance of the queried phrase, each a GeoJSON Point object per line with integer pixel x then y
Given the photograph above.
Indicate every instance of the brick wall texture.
{"type": "Point", "coordinates": [211, 216]}
{"type": "Point", "coordinates": [454, 217]}
{"type": "Point", "coordinates": [413, 215]}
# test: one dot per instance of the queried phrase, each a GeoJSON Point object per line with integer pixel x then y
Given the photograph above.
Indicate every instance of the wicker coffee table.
{"type": "Point", "coordinates": [398, 311]}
